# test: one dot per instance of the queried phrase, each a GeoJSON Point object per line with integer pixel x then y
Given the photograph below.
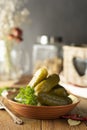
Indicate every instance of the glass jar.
{"type": "Point", "coordinates": [14, 61]}
{"type": "Point", "coordinates": [46, 53]}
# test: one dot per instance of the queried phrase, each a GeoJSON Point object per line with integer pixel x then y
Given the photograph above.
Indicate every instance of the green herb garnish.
{"type": "Point", "coordinates": [26, 96]}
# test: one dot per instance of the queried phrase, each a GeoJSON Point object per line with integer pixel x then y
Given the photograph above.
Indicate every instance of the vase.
{"type": "Point", "coordinates": [14, 61]}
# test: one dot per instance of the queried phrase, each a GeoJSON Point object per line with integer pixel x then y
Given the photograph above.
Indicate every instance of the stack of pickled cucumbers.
{"type": "Point", "coordinates": [44, 89]}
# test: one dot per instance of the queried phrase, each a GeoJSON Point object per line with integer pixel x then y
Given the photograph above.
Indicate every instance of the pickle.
{"type": "Point", "coordinates": [59, 91]}
{"type": "Point", "coordinates": [40, 75]}
{"type": "Point", "coordinates": [53, 100]}
{"type": "Point", "coordinates": [47, 84]}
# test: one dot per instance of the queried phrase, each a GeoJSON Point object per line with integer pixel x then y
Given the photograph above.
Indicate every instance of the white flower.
{"type": "Point", "coordinates": [25, 12]}
{"type": "Point", "coordinates": [12, 14]}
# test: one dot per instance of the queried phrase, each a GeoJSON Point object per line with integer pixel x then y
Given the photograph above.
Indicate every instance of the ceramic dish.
{"type": "Point", "coordinates": [40, 112]}
{"type": "Point", "coordinates": [76, 90]}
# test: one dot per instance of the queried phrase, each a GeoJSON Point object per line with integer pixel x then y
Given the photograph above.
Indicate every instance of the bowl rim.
{"type": "Point", "coordinates": [74, 98]}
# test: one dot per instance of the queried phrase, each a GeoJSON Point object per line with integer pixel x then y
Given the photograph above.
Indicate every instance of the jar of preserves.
{"type": "Point", "coordinates": [46, 53]}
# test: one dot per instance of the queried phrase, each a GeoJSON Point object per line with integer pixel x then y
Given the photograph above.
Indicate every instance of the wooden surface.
{"type": "Point", "coordinates": [6, 122]}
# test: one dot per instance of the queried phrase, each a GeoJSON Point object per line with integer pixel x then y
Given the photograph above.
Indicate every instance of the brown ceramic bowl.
{"type": "Point", "coordinates": [40, 112]}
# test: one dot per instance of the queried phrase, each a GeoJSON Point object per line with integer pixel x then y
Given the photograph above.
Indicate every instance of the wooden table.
{"type": "Point", "coordinates": [6, 123]}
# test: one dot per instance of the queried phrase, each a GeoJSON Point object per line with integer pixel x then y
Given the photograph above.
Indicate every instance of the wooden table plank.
{"type": "Point", "coordinates": [30, 124]}
{"type": "Point", "coordinates": [6, 123]}
{"type": "Point", "coordinates": [61, 124]}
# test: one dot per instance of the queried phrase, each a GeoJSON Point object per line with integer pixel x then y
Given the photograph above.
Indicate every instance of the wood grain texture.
{"type": "Point", "coordinates": [6, 123]}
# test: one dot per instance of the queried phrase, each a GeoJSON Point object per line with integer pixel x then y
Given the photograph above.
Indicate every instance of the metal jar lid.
{"type": "Point", "coordinates": [44, 39]}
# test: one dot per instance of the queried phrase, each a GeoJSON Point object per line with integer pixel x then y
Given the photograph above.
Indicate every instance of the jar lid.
{"type": "Point", "coordinates": [44, 39]}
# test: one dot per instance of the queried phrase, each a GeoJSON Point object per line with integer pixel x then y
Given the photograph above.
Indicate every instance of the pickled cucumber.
{"type": "Point", "coordinates": [53, 100]}
{"type": "Point", "coordinates": [47, 84]}
{"type": "Point", "coordinates": [59, 91]}
{"type": "Point", "coordinates": [40, 75]}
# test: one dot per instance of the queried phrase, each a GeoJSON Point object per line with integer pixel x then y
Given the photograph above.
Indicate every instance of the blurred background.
{"type": "Point", "coordinates": [65, 18]}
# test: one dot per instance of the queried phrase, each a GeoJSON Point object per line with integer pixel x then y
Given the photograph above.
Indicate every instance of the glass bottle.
{"type": "Point", "coordinates": [14, 61]}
